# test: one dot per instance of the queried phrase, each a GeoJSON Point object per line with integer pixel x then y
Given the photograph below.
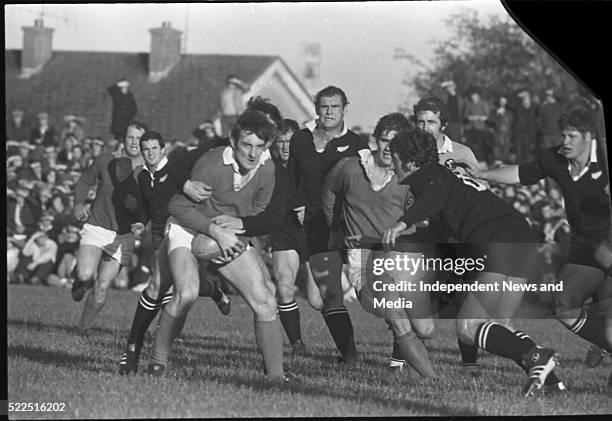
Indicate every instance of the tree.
{"type": "Point", "coordinates": [496, 55]}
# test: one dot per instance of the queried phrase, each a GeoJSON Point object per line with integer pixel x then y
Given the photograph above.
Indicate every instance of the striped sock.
{"type": "Point", "coordinates": [469, 354]}
{"type": "Point", "coordinates": [591, 326]}
{"type": "Point", "coordinates": [289, 315]}
{"type": "Point", "coordinates": [167, 298]}
{"type": "Point", "coordinates": [497, 339]}
{"type": "Point", "coordinates": [146, 311]}
{"type": "Point", "coordinates": [339, 324]}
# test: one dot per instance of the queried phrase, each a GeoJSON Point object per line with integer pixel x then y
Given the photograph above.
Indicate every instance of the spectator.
{"type": "Point", "coordinates": [25, 149]}
{"type": "Point", "coordinates": [524, 130]}
{"type": "Point", "coordinates": [548, 113]}
{"type": "Point", "coordinates": [124, 107]}
{"type": "Point", "coordinates": [49, 159]}
{"type": "Point", "coordinates": [207, 136]}
{"type": "Point", "coordinates": [79, 160]}
{"type": "Point", "coordinates": [16, 128]}
{"type": "Point", "coordinates": [231, 103]}
{"type": "Point", "coordinates": [502, 120]}
{"type": "Point", "coordinates": [22, 212]}
{"type": "Point", "coordinates": [476, 111]}
{"type": "Point", "coordinates": [454, 106]}
{"type": "Point", "coordinates": [73, 126]}
{"type": "Point", "coordinates": [43, 134]}
{"type": "Point", "coordinates": [65, 153]}
{"type": "Point", "coordinates": [12, 259]}
{"type": "Point", "coordinates": [37, 259]}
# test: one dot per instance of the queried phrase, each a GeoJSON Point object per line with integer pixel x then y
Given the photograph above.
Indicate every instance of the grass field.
{"type": "Point", "coordinates": [216, 370]}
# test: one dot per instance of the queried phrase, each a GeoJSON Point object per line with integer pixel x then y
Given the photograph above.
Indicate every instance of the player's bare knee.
{"type": "Point", "coordinates": [466, 329]}
{"type": "Point", "coordinates": [424, 328]}
{"type": "Point", "coordinates": [285, 291]}
{"type": "Point", "coordinates": [265, 307]}
{"type": "Point", "coordinates": [85, 274]}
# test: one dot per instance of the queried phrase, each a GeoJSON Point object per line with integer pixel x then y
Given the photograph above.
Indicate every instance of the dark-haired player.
{"type": "Point", "coordinates": [365, 188]}
{"type": "Point", "coordinates": [242, 180]}
{"type": "Point", "coordinates": [487, 226]}
{"type": "Point", "coordinates": [157, 184]}
{"type": "Point", "coordinates": [106, 239]}
{"type": "Point", "coordinates": [579, 167]}
{"type": "Point", "coordinates": [288, 242]}
{"type": "Point", "coordinates": [313, 154]}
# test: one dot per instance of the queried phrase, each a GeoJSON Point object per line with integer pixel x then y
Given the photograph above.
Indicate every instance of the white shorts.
{"type": "Point", "coordinates": [119, 247]}
{"type": "Point", "coordinates": [356, 267]}
{"type": "Point", "coordinates": [178, 236]}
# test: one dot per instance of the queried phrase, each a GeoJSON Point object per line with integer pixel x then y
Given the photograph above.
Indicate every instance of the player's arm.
{"type": "Point", "coordinates": [88, 179]}
{"type": "Point", "coordinates": [430, 197]}
{"type": "Point", "coordinates": [180, 168]}
{"type": "Point", "coordinates": [504, 175]}
{"type": "Point", "coordinates": [296, 198]}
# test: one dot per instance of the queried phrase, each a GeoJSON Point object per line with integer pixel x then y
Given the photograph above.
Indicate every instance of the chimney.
{"type": "Point", "coordinates": [36, 48]}
{"type": "Point", "coordinates": [165, 51]}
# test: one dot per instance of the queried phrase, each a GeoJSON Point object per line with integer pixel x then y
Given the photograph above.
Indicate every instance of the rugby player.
{"type": "Point", "coordinates": [579, 168]}
{"type": "Point", "coordinates": [431, 115]}
{"type": "Point", "coordinates": [106, 238]}
{"type": "Point", "coordinates": [288, 242]}
{"type": "Point", "coordinates": [313, 154]}
{"type": "Point", "coordinates": [157, 185]}
{"type": "Point", "coordinates": [487, 226]}
{"type": "Point", "coordinates": [366, 189]}
{"type": "Point", "coordinates": [242, 180]}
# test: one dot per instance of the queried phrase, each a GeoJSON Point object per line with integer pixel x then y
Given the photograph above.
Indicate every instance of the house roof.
{"type": "Point", "coordinates": [75, 82]}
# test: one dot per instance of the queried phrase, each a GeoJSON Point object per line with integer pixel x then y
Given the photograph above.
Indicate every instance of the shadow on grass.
{"type": "Point", "coordinates": [56, 358]}
{"type": "Point", "coordinates": [74, 330]}
{"type": "Point", "coordinates": [360, 395]}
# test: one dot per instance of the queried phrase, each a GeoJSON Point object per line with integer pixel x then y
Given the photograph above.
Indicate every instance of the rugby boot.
{"type": "Point", "coordinates": [396, 364]}
{"type": "Point", "coordinates": [539, 363]}
{"type": "Point", "coordinates": [129, 360]}
{"type": "Point", "coordinates": [594, 356]}
{"type": "Point", "coordinates": [299, 348]}
{"type": "Point", "coordinates": [156, 370]}
{"type": "Point", "coordinates": [79, 289]}
{"type": "Point", "coordinates": [225, 303]}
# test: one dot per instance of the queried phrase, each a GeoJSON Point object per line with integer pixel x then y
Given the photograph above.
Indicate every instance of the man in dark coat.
{"type": "Point", "coordinates": [124, 107]}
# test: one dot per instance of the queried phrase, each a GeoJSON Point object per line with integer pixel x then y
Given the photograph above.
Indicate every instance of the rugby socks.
{"type": "Point", "coordinates": [90, 311]}
{"type": "Point", "coordinates": [468, 354]}
{"type": "Point", "coordinates": [290, 318]}
{"type": "Point", "coordinates": [146, 311]}
{"type": "Point", "coordinates": [413, 351]}
{"type": "Point", "coordinates": [591, 326]}
{"type": "Point", "coordinates": [167, 298]}
{"type": "Point", "coordinates": [552, 378]}
{"type": "Point", "coordinates": [269, 339]}
{"type": "Point", "coordinates": [339, 324]}
{"type": "Point", "coordinates": [169, 328]}
{"type": "Point", "coordinates": [497, 339]}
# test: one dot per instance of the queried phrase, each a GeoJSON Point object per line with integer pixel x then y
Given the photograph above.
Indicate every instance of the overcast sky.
{"type": "Point", "coordinates": [357, 39]}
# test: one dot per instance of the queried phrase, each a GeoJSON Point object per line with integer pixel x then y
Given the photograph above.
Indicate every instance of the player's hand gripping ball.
{"type": "Point", "coordinates": [205, 247]}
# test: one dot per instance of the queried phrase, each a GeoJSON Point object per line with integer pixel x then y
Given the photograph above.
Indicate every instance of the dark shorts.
{"type": "Point", "coordinates": [317, 234]}
{"type": "Point", "coordinates": [582, 250]}
{"type": "Point", "coordinates": [507, 245]}
{"type": "Point", "coordinates": [289, 238]}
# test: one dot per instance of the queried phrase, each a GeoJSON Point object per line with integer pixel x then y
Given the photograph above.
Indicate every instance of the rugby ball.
{"type": "Point", "coordinates": [204, 247]}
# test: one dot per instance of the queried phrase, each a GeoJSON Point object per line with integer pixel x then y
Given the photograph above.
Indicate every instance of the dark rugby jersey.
{"type": "Point", "coordinates": [587, 203]}
{"type": "Point", "coordinates": [277, 212]}
{"type": "Point", "coordinates": [311, 167]}
{"type": "Point", "coordinates": [157, 190]}
{"type": "Point", "coordinates": [463, 202]}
